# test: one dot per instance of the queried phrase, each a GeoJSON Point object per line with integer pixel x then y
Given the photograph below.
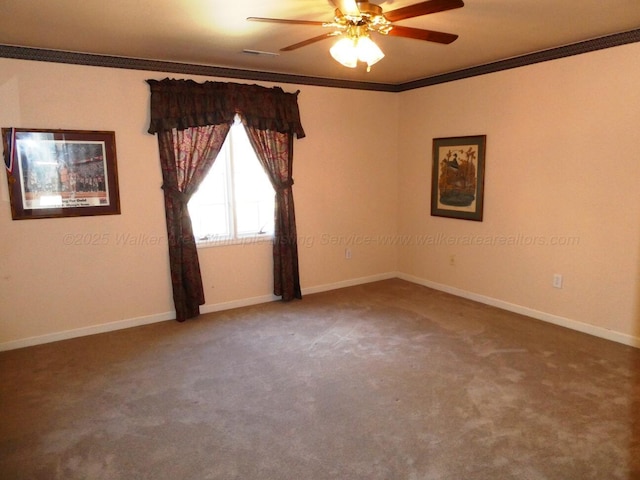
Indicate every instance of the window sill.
{"type": "Point", "coordinates": [227, 242]}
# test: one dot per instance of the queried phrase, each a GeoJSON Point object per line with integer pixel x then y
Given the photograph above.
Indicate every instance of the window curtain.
{"type": "Point", "coordinates": [203, 112]}
{"type": "Point", "coordinates": [185, 158]}
{"type": "Point", "coordinates": [275, 152]}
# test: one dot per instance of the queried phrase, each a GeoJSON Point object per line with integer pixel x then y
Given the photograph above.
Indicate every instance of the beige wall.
{"type": "Point", "coordinates": [55, 283]}
{"type": "Point", "coordinates": [345, 190]}
{"type": "Point", "coordinates": [561, 167]}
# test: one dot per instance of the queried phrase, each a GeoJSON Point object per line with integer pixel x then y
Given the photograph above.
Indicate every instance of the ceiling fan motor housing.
{"type": "Point", "coordinates": [371, 16]}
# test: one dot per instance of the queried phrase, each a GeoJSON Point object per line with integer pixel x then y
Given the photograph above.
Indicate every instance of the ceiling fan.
{"type": "Point", "coordinates": [355, 20]}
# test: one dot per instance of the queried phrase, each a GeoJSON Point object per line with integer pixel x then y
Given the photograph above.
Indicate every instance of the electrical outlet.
{"type": "Point", "coordinates": [557, 280]}
{"type": "Point", "coordinates": [347, 253]}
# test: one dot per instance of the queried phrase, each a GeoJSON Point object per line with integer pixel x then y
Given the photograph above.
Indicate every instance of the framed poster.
{"type": "Point", "coordinates": [61, 173]}
{"type": "Point", "coordinates": [457, 185]}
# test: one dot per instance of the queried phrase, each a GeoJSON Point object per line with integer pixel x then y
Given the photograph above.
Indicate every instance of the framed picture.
{"type": "Point", "coordinates": [61, 173]}
{"type": "Point", "coordinates": [457, 185]}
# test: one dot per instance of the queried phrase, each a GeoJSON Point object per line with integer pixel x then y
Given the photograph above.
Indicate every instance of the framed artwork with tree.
{"type": "Point", "coordinates": [457, 185]}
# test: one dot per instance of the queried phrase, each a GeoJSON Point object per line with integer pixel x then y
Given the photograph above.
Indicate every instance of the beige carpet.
{"type": "Point", "coordinates": [388, 380]}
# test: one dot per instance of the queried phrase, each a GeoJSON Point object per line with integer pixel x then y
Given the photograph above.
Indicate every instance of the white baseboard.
{"type": "Point", "coordinates": [162, 317]}
{"type": "Point", "coordinates": [244, 302]}
{"type": "Point", "coordinates": [349, 283]}
{"type": "Point", "coordinates": [529, 312]}
{"type": "Point", "coordinates": [217, 307]}
{"type": "Point", "coordinates": [84, 331]}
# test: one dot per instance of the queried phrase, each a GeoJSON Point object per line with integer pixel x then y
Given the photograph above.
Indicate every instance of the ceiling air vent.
{"type": "Point", "coordinates": [260, 52]}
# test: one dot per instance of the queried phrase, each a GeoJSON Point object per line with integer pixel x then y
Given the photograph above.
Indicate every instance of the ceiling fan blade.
{"type": "Point", "coordinates": [281, 20]}
{"type": "Point", "coordinates": [349, 8]}
{"type": "Point", "coordinates": [423, 8]}
{"type": "Point", "coordinates": [309, 41]}
{"type": "Point", "coordinates": [419, 34]}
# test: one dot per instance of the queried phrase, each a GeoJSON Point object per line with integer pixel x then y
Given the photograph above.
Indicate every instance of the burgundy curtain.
{"type": "Point", "coordinates": [180, 106]}
{"type": "Point", "coordinates": [275, 152]}
{"type": "Point", "coordinates": [185, 157]}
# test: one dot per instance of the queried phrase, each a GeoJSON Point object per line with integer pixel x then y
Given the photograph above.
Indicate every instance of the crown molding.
{"type": "Point", "coordinates": [78, 58]}
{"type": "Point", "coordinates": [599, 43]}
{"type": "Point", "coordinates": [90, 59]}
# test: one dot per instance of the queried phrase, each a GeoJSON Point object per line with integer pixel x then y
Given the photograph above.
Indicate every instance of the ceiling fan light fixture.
{"type": "Point", "coordinates": [368, 51]}
{"type": "Point", "coordinates": [345, 52]}
{"type": "Point", "coordinates": [348, 50]}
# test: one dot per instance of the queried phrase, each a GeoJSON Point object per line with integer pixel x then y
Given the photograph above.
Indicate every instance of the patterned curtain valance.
{"type": "Point", "coordinates": [184, 103]}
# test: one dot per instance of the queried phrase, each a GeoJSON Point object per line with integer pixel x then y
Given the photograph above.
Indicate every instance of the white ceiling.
{"type": "Point", "coordinates": [215, 32]}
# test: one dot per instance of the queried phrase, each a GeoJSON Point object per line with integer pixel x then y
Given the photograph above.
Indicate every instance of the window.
{"type": "Point", "coordinates": [235, 201]}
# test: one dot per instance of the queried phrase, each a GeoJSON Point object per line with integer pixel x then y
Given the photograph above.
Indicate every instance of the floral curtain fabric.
{"type": "Point", "coordinates": [185, 157]}
{"type": "Point", "coordinates": [275, 152]}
